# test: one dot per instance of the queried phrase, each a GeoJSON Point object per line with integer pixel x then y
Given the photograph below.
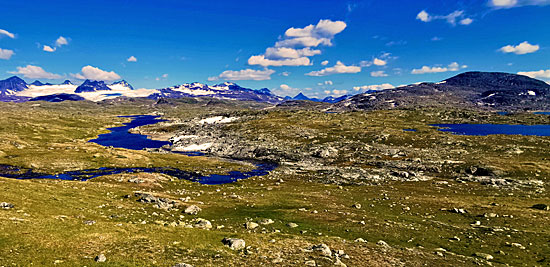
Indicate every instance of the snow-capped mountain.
{"type": "Point", "coordinates": [120, 85]}
{"type": "Point", "coordinates": [67, 82]}
{"type": "Point", "coordinates": [92, 86]}
{"type": "Point", "coordinates": [11, 85]}
{"type": "Point", "coordinates": [225, 90]}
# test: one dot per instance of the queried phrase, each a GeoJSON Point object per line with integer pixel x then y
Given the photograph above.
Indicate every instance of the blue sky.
{"type": "Point", "coordinates": [350, 46]}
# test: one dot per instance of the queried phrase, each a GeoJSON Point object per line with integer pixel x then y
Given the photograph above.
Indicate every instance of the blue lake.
{"type": "Point", "coordinates": [543, 112]}
{"type": "Point", "coordinates": [489, 129]}
{"type": "Point", "coordinates": [121, 138]}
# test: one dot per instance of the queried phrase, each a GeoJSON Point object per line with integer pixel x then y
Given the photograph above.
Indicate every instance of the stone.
{"type": "Point", "coordinates": [484, 256]}
{"type": "Point", "coordinates": [234, 243]}
{"type": "Point", "coordinates": [192, 210]}
{"type": "Point", "coordinates": [6, 205]}
{"type": "Point", "coordinates": [458, 211]}
{"type": "Point", "coordinates": [251, 225]}
{"type": "Point", "coordinates": [100, 258]}
{"type": "Point", "coordinates": [89, 222]}
{"type": "Point", "coordinates": [382, 243]}
{"type": "Point", "coordinates": [536, 206]}
{"type": "Point", "coordinates": [292, 225]}
{"type": "Point", "coordinates": [203, 224]}
{"type": "Point", "coordinates": [323, 249]}
{"type": "Point", "coordinates": [360, 240]}
{"type": "Point", "coordinates": [183, 265]}
{"type": "Point", "coordinates": [265, 221]}
{"type": "Point", "coordinates": [339, 263]}
{"type": "Point", "coordinates": [356, 205]}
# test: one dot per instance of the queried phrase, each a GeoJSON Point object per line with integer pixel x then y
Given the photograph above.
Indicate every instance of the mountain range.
{"type": "Point", "coordinates": [488, 90]}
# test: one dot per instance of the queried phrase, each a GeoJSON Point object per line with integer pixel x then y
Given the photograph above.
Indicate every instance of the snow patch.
{"type": "Point", "coordinates": [194, 147]}
{"type": "Point", "coordinates": [217, 119]}
{"type": "Point", "coordinates": [531, 92]}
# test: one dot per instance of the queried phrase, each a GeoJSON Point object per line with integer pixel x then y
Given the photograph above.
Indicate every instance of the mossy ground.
{"type": "Point", "coordinates": [47, 227]}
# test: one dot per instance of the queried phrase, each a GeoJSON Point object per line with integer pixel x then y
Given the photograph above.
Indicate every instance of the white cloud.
{"type": "Point", "coordinates": [165, 75]}
{"type": "Point", "coordinates": [48, 48]}
{"type": "Point", "coordinates": [499, 4]}
{"type": "Point", "coordinates": [286, 90]}
{"type": "Point", "coordinates": [325, 83]}
{"type": "Point", "coordinates": [450, 18]}
{"type": "Point", "coordinates": [520, 49]}
{"type": "Point", "coordinates": [294, 48]}
{"type": "Point", "coordinates": [324, 62]}
{"type": "Point", "coordinates": [542, 74]}
{"type": "Point", "coordinates": [383, 86]}
{"type": "Point", "coordinates": [379, 73]}
{"type": "Point", "coordinates": [423, 16]}
{"type": "Point", "coordinates": [7, 33]}
{"type": "Point", "coordinates": [285, 73]}
{"type": "Point", "coordinates": [379, 62]}
{"type": "Point", "coordinates": [6, 53]}
{"type": "Point", "coordinates": [93, 73]}
{"type": "Point", "coordinates": [61, 41]}
{"type": "Point", "coordinates": [339, 92]}
{"type": "Point", "coordinates": [265, 62]}
{"type": "Point", "coordinates": [336, 69]}
{"type": "Point", "coordinates": [132, 59]}
{"type": "Point", "coordinates": [287, 52]}
{"type": "Point", "coordinates": [466, 21]}
{"type": "Point", "coordinates": [437, 69]}
{"type": "Point", "coordinates": [35, 72]}
{"type": "Point", "coordinates": [247, 74]}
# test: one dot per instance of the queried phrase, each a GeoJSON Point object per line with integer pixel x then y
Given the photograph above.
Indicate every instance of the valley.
{"type": "Point", "coordinates": [356, 182]}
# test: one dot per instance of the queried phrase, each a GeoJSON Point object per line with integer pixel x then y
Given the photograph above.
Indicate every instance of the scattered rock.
{"type": "Point", "coordinates": [6, 205]}
{"type": "Point", "coordinates": [265, 221]}
{"type": "Point", "coordinates": [458, 211]}
{"type": "Point", "coordinates": [292, 225]}
{"type": "Point", "coordinates": [356, 205]}
{"type": "Point", "coordinates": [234, 243]}
{"type": "Point", "coordinates": [136, 181]}
{"type": "Point", "coordinates": [382, 243]}
{"type": "Point", "coordinates": [251, 225]}
{"type": "Point", "coordinates": [536, 206]}
{"type": "Point", "coordinates": [484, 256]}
{"type": "Point", "coordinates": [192, 210]}
{"type": "Point", "coordinates": [203, 224]}
{"type": "Point", "coordinates": [323, 249]}
{"type": "Point", "coordinates": [89, 222]}
{"type": "Point", "coordinates": [339, 263]}
{"type": "Point", "coordinates": [183, 265]}
{"type": "Point", "coordinates": [100, 258]}
{"type": "Point", "coordinates": [360, 240]}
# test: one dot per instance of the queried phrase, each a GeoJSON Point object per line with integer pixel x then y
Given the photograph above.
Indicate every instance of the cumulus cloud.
{"type": "Point", "coordinates": [324, 62]}
{"type": "Point", "coordinates": [520, 49]}
{"type": "Point", "coordinates": [6, 53]}
{"type": "Point", "coordinates": [379, 73]}
{"type": "Point", "coordinates": [498, 4]}
{"type": "Point", "coordinates": [93, 73]}
{"type": "Point", "coordinates": [295, 47]}
{"type": "Point", "coordinates": [6, 33]}
{"type": "Point", "coordinates": [466, 21]}
{"type": "Point", "coordinates": [336, 69]}
{"type": "Point", "coordinates": [337, 92]}
{"type": "Point", "coordinates": [61, 41]}
{"type": "Point", "coordinates": [539, 74]}
{"type": "Point", "coordinates": [325, 83]}
{"type": "Point", "coordinates": [450, 18]}
{"type": "Point", "coordinates": [247, 74]}
{"type": "Point", "coordinates": [383, 86]}
{"type": "Point", "coordinates": [265, 62]}
{"type": "Point", "coordinates": [48, 48]}
{"type": "Point", "coordinates": [382, 60]}
{"type": "Point", "coordinates": [437, 69]}
{"type": "Point", "coordinates": [132, 59]}
{"type": "Point", "coordinates": [379, 62]}
{"type": "Point", "coordinates": [35, 72]}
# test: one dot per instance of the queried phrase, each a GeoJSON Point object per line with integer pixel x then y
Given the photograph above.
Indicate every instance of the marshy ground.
{"type": "Point", "coordinates": [464, 200]}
